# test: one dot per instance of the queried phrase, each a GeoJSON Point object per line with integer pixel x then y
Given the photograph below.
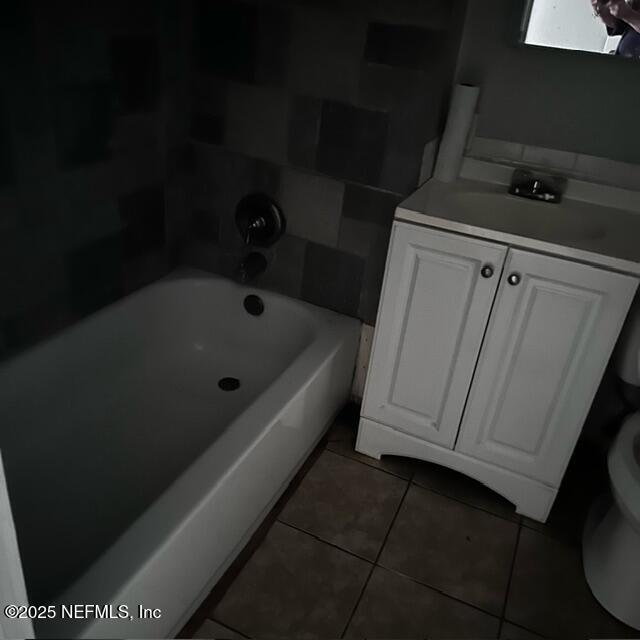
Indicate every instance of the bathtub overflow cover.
{"type": "Point", "coordinates": [254, 305]}
{"type": "Point", "coordinates": [229, 384]}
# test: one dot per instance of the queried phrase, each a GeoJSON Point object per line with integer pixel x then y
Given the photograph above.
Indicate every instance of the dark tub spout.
{"type": "Point", "coordinates": [251, 267]}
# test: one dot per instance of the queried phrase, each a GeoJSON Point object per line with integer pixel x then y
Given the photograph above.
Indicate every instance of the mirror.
{"type": "Point", "coordinates": [609, 27]}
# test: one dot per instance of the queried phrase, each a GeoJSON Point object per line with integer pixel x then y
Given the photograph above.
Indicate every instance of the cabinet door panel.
{"type": "Point", "coordinates": [548, 342]}
{"type": "Point", "coordinates": [434, 311]}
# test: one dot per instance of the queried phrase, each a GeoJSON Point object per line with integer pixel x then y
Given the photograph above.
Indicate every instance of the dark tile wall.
{"type": "Point", "coordinates": [129, 131]}
{"type": "Point", "coordinates": [327, 107]}
{"type": "Point", "coordinates": [93, 119]}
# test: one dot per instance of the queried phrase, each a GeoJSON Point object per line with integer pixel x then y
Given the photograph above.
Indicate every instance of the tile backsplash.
{"type": "Point", "coordinates": [575, 165]}
{"type": "Point", "coordinates": [327, 107]}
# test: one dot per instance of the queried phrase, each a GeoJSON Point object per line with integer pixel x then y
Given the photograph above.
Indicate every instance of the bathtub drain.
{"type": "Point", "coordinates": [229, 384]}
{"type": "Point", "coordinates": [254, 305]}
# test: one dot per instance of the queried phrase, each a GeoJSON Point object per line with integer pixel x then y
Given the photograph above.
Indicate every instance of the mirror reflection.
{"type": "Point", "coordinates": [610, 27]}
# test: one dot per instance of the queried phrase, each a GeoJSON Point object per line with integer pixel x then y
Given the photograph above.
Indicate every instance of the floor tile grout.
{"type": "Point", "coordinates": [330, 544]}
{"type": "Point", "coordinates": [393, 521]}
{"type": "Point", "coordinates": [366, 464]}
{"type": "Point", "coordinates": [519, 626]}
{"type": "Point", "coordinates": [226, 626]}
{"type": "Point", "coordinates": [513, 564]}
{"type": "Point", "coordinates": [440, 591]}
{"type": "Point", "coordinates": [468, 504]}
{"type": "Point", "coordinates": [523, 529]}
{"type": "Point", "coordinates": [375, 563]}
{"type": "Point", "coordinates": [549, 534]}
{"type": "Point", "coordinates": [411, 479]}
{"type": "Point", "coordinates": [357, 603]}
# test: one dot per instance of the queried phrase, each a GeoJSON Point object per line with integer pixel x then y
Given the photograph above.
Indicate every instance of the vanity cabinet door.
{"type": "Point", "coordinates": [551, 334]}
{"type": "Point", "coordinates": [436, 301]}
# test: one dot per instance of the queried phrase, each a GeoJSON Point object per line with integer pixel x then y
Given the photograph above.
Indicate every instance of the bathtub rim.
{"type": "Point", "coordinates": [175, 276]}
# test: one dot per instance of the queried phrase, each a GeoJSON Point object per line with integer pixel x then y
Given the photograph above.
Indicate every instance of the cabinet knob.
{"type": "Point", "coordinates": [514, 279]}
{"type": "Point", "coordinates": [486, 271]}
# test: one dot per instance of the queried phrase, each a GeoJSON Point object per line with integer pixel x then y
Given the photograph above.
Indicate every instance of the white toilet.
{"type": "Point", "coordinates": [611, 544]}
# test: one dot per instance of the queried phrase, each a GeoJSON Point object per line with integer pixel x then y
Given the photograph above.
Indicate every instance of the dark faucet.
{"type": "Point", "coordinates": [251, 266]}
{"type": "Point", "coordinates": [543, 188]}
{"type": "Point", "coordinates": [260, 220]}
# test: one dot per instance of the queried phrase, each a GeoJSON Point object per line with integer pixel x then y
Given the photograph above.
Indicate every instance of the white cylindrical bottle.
{"type": "Point", "coordinates": [461, 114]}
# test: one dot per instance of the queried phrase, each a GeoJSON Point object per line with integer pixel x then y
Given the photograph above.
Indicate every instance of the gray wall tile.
{"type": "Point", "coordinates": [84, 117]}
{"type": "Point", "coordinates": [496, 149]}
{"type": "Point", "coordinates": [208, 94]}
{"type": "Point", "coordinates": [79, 56]}
{"type": "Point", "coordinates": [95, 274]}
{"type": "Point", "coordinates": [305, 113]}
{"type": "Point", "coordinates": [369, 241]}
{"type": "Point", "coordinates": [6, 169]}
{"type": "Point", "coordinates": [285, 266]}
{"type": "Point", "coordinates": [366, 89]}
{"type": "Point", "coordinates": [352, 142]}
{"type": "Point", "coordinates": [207, 128]}
{"type": "Point", "coordinates": [205, 225]}
{"type": "Point", "coordinates": [85, 101]}
{"type": "Point", "coordinates": [383, 87]}
{"type": "Point", "coordinates": [143, 221]}
{"type": "Point", "coordinates": [135, 69]}
{"type": "Point", "coordinates": [242, 41]}
{"type": "Point", "coordinates": [273, 45]}
{"type": "Point", "coordinates": [411, 126]}
{"type": "Point", "coordinates": [311, 204]}
{"type": "Point", "coordinates": [359, 238]}
{"type": "Point", "coordinates": [221, 28]}
{"type": "Point", "coordinates": [549, 157]}
{"type": "Point", "coordinates": [256, 121]}
{"type": "Point", "coordinates": [332, 279]}
{"type": "Point", "coordinates": [326, 50]}
{"type": "Point", "coordinates": [434, 14]}
{"type": "Point", "coordinates": [403, 46]}
{"type": "Point", "coordinates": [145, 269]}
{"type": "Point", "coordinates": [370, 205]}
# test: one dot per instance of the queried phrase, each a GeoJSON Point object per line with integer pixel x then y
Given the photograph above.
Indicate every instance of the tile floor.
{"type": "Point", "coordinates": [403, 549]}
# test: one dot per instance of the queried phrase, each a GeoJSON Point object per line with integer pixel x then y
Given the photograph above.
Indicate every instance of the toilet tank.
{"type": "Point", "coordinates": [627, 358]}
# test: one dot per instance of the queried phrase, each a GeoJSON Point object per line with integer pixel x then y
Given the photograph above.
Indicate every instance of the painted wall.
{"type": "Point", "coordinates": [327, 107]}
{"type": "Point", "coordinates": [89, 136]}
{"type": "Point", "coordinates": [573, 101]}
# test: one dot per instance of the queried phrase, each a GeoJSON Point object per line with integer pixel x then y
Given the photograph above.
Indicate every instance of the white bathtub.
{"type": "Point", "coordinates": [134, 479]}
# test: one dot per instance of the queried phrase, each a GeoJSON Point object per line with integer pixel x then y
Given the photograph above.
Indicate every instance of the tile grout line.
{"type": "Point", "coordinates": [319, 539]}
{"type": "Point", "coordinates": [285, 164]}
{"type": "Point", "coordinates": [366, 464]}
{"type": "Point", "coordinates": [226, 626]}
{"type": "Point", "coordinates": [411, 479]}
{"type": "Point", "coordinates": [375, 563]}
{"type": "Point", "coordinates": [357, 602]}
{"type": "Point", "coordinates": [393, 521]}
{"type": "Point", "coordinates": [468, 504]}
{"type": "Point", "coordinates": [396, 572]}
{"type": "Point", "coordinates": [513, 565]}
{"type": "Point", "coordinates": [440, 591]}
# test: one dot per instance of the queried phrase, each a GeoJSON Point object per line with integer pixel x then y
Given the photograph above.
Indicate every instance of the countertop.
{"type": "Point", "coordinates": [604, 233]}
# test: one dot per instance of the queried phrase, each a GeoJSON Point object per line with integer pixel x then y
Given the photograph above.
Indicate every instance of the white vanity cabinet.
{"type": "Point", "coordinates": [433, 316]}
{"type": "Point", "coordinates": [487, 358]}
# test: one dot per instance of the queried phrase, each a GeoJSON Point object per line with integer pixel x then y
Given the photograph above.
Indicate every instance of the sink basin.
{"type": "Point", "coordinates": [523, 217]}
